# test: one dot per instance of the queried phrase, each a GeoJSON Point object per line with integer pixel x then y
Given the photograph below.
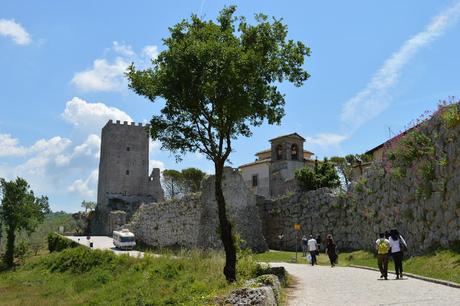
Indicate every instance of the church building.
{"type": "Point", "coordinates": [272, 173]}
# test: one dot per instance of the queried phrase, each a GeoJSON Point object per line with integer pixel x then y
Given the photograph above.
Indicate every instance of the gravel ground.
{"type": "Point", "coordinates": [321, 285]}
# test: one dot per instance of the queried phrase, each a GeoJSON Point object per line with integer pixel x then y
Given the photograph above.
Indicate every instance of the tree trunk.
{"type": "Point", "coordinates": [9, 254]}
{"type": "Point", "coordinates": [225, 227]}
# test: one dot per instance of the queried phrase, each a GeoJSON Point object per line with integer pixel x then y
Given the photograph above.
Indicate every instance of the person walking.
{"type": "Point", "coordinates": [382, 245]}
{"type": "Point", "coordinates": [304, 245]}
{"type": "Point", "coordinates": [280, 238]}
{"type": "Point", "coordinates": [331, 250]}
{"type": "Point", "coordinates": [318, 241]}
{"type": "Point", "coordinates": [313, 249]}
{"type": "Point", "coordinates": [397, 243]}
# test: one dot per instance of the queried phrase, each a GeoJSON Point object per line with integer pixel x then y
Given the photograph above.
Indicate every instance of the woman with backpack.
{"type": "Point", "coordinates": [397, 245]}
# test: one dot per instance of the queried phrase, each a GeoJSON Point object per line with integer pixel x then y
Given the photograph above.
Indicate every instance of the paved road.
{"type": "Point", "coordinates": [321, 285]}
{"type": "Point", "coordinates": [104, 243]}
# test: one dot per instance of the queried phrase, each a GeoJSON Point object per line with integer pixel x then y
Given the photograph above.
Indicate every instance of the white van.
{"type": "Point", "coordinates": [124, 239]}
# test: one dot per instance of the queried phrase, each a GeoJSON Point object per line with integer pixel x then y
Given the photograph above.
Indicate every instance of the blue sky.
{"type": "Point", "coordinates": [375, 66]}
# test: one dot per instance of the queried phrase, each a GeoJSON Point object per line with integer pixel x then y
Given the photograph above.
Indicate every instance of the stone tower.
{"type": "Point", "coordinates": [124, 182]}
{"type": "Point", "coordinates": [287, 155]}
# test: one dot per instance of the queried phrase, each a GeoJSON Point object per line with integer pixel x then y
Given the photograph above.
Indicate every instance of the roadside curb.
{"type": "Point", "coordinates": [424, 278]}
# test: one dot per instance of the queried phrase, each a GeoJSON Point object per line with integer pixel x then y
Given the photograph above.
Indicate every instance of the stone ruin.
{"type": "Point", "coordinates": [192, 221]}
{"type": "Point", "coordinates": [377, 202]}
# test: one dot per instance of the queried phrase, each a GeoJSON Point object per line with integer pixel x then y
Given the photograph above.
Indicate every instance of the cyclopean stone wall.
{"type": "Point", "coordinates": [241, 209]}
{"type": "Point", "coordinates": [171, 223]}
{"type": "Point", "coordinates": [192, 220]}
{"type": "Point", "coordinates": [379, 201]}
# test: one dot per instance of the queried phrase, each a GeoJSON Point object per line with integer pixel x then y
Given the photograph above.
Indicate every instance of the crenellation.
{"type": "Point", "coordinates": [118, 121]}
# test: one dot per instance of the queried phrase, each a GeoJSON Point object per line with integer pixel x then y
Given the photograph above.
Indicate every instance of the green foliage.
{"type": "Point", "coordinates": [413, 150]}
{"type": "Point", "coordinates": [192, 178]}
{"type": "Point", "coordinates": [178, 183]}
{"type": "Point", "coordinates": [361, 184]}
{"type": "Point", "coordinates": [81, 276]}
{"type": "Point", "coordinates": [88, 205]}
{"type": "Point", "coordinates": [82, 259]}
{"type": "Point", "coordinates": [323, 175]}
{"type": "Point", "coordinates": [20, 210]}
{"type": "Point", "coordinates": [218, 79]}
{"type": "Point", "coordinates": [172, 183]}
{"type": "Point", "coordinates": [57, 243]}
{"type": "Point", "coordinates": [450, 115]}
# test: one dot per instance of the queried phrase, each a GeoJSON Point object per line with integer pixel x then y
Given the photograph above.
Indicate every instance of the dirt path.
{"type": "Point", "coordinates": [321, 285]}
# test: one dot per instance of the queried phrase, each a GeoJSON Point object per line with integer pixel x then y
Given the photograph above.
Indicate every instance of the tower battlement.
{"type": "Point", "coordinates": [126, 123]}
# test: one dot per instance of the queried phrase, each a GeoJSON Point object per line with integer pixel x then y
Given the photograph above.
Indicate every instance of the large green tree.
{"type": "Point", "coordinates": [191, 179]}
{"type": "Point", "coordinates": [88, 205]}
{"type": "Point", "coordinates": [219, 78]}
{"type": "Point", "coordinates": [172, 183]}
{"type": "Point", "coordinates": [20, 210]}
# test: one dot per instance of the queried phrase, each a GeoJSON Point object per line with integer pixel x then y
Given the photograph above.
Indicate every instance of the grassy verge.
{"type": "Point", "coordinates": [440, 264]}
{"type": "Point", "coordinates": [80, 276]}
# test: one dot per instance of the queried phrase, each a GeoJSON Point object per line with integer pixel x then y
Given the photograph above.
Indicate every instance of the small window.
{"type": "Point", "coordinates": [279, 152]}
{"type": "Point", "coordinates": [294, 152]}
{"type": "Point", "coordinates": [127, 172]}
{"type": "Point", "coordinates": [254, 180]}
{"type": "Point", "coordinates": [127, 148]}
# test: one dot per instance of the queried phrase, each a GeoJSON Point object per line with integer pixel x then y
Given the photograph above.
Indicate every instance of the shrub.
{"type": "Point", "coordinates": [450, 115]}
{"type": "Point", "coordinates": [57, 243]}
{"type": "Point", "coordinates": [82, 259]}
{"type": "Point", "coordinates": [323, 175]}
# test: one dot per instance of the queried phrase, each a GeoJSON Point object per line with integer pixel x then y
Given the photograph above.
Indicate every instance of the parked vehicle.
{"type": "Point", "coordinates": [124, 239]}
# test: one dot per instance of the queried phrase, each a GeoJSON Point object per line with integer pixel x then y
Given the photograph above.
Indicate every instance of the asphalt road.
{"type": "Point", "coordinates": [323, 285]}
{"type": "Point", "coordinates": [104, 243]}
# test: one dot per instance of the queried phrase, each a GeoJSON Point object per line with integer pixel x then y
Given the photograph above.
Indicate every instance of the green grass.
{"type": "Point", "coordinates": [440, 264]}
{"type": "Point", "coordinates": [80, 276]}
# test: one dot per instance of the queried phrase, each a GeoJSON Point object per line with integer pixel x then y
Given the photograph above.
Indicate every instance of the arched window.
{"type": "Point", "coordinates": [279, 152]}
{"type": "Point", "coordinates": [294, 152]}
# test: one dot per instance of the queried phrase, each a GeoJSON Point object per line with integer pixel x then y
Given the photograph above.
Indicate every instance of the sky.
{"type": "Point", "coordinates": [375, 67]}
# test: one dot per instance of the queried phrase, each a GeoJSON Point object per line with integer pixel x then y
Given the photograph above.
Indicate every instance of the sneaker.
{"type": "Point", "coordinates": [381, 275]}
{"type": "Point", "coordinates": [397, 276]}
{"type": "Point", "coordinates": [386, 278]}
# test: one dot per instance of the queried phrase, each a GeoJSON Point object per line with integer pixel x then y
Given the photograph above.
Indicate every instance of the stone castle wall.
{"type": "Point", "coordinates": [379, 201]}
{"type": "Point", "coordinates": [192, 220]}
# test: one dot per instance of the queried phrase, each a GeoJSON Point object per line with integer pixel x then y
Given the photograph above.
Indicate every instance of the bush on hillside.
{"type": "Point", "coordinates": [57, 243]}
{"type": "Point", "coordinates": [82, 259]}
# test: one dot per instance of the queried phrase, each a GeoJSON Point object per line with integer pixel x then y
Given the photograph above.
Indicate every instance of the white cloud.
{"type": "Point", "coordinates": [46, 153]}
{"type": "Point", "coordinates": [9, 146]}
{"type": "Point", "coordinates": [154, 146]}
{"type": "Point", "coordinates": [326, 140]}
{"type": "Point", "coordinates": [92, 116]}
{"type": "Point", "coordinates": [103, 76]}
{"type": "Point", "coordinates": [150, 52]}
{"type": "Point", "coordinates": [109, 75]}
{"type": "Point", "coordinates": [123, 49]}
{"type": "Point", "coordinates": [156, 164]}
{"type": "Point", "coordinates": [375, 97]}
{"type": "Point", "coordinates": [15, 31]}
{"type": "Point", "coordinates": [86, 188]}
{"type": "Point", "coordinates": [91, 147]}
